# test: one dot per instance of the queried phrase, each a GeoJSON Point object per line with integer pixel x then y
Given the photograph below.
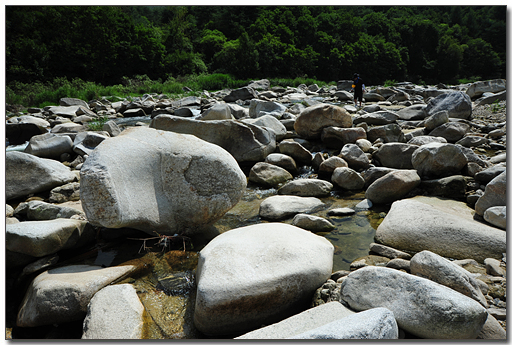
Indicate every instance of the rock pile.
{"type": "Point", "coordinates": [435, 155]}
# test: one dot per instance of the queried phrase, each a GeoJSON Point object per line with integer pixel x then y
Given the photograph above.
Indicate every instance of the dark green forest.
{"type": "Point", "coordinates": [103, 44]}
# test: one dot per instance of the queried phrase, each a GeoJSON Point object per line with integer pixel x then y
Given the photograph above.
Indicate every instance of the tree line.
{"type": "Point", "coordinates": [103, 44]}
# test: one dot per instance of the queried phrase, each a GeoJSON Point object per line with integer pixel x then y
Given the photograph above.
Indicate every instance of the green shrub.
{"type": "Point", "coordinates": [97, 125]}
{"type": "Point", "coordinates": [389, 83]}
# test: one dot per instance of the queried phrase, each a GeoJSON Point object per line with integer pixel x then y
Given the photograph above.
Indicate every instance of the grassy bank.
{"type": "Point", "coordinates": [41, 95]}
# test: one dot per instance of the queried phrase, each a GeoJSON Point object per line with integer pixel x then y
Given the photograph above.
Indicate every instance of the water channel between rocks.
{"type": "Point", "coordinates": [166, 286]}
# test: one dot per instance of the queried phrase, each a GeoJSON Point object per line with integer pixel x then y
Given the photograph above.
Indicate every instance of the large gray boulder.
{"type": "Point", "coordinates": [413, 112]}
{"type": "Point", "coordinates": [495, 194]}
{"type": "Point", "coordinates": [451, 131]}
{"type": "Point", "coordinates": [312, 223]}
{"type": "Point", "coordinates": [115, 312]}
{"type": "Point", "coordinates": [27, 174]}
{"type": "Point", "coordinates": [497, 216]}
{"type": "Point", "coordinates": [302, 322]}
{"type": "Point", "coordinates": [336, 137]}
{"type": "Point", "coordinates": [388, 133]}
{"type": "Point", "coordinates": [161, 181]}
{"type": "Point", "coordinates": [40, 210]}
{"type": "Point", "coordinates": [438, 160]}
{"type": "Point", "coordinates": [242, 93]}
{"type": "Point", "coordinates": [295, 150]}
{"type": "Point", "coordinates": [392, 186]}
{"type": "Point", "coordinates": [436, 120]}
{"type": "Point", "coordinates": [447, 229]}
{"type": "Point", "coordinates": [62, 294]}
{"type": "Point", "coordinates": [247, 277]}
{"type": "Point", "coordinates": [271, 122]}
{"type": "Point", "coordinates": [440, 270]}
{"type": "Point", "coordinates": [420, 306]}
{"type": "Point", "coordinates": [478, 88]}
{"type": "Point", "coordinates": [259, 108]}
{"type": "Point", "coordinates": [245, 142]}
{"type": "Point", "coordinates": [375, 323]}
{"type": "Point", "coordinates": [378, 118]}
{"type": "Point", "coordinates": [395, 155]}
{"type": "Point", "coordinates": [314, 119]}
{"type": "Point", "coordinates": [49, 145]}
{"type": "Point", "coordinates": [307, 187]}
{"type": "Point", "coordinates": [283, 161]}
{"type": "Point", "coordinates": [41, 238]}
{"type": "Point", "coordinates": [456, 103]}
{"type": "Point", "coordinates": [279, 207]}
{"type": "Point", "coordinates": [219, 111]}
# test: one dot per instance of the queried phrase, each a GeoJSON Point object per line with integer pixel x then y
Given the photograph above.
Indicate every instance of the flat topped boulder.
{"type": "Point", "coordinates": [161, 181]}
{"type": "Point", "coordinates": [445, 228]}
{"type": "Point", "coordinates": [245, 142]}
{"type": "Point", "coordinates": [26, 174]}
{"type": "Point", "coordinates": [284, 206]}
{"type": "Point", "coordinates": [314, 119]}
{"type": "Point", "coordinates": [420, 306]}
{"type": "Point", "coordinates": [258, 274]}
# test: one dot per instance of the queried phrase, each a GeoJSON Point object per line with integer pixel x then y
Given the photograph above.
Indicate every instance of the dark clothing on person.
{"type": "Point", "coordinates": [358, 89]}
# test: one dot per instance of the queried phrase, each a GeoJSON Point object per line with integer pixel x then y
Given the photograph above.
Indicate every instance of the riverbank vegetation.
{"type": "Point", "coordinates": [101, 49]}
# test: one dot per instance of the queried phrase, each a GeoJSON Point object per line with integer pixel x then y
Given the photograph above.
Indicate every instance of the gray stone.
{"type": "Point", "coordinates": [413, 112]}
{"type": "Point", "coordinates": [502, 157]}
{"type": "Point", "coordinates": [262, 84]}
{"type": "Point", "coordinates": [400, 96]}
{"type": "Point", "coordinates": [297, 324]}
{"type": "Point", "coordinates": [440, 270]}
{"type": "Point", "coordinates": [330, 164]}
{"type": "Point", "coordinates": [114, 312]}
{"type": "Point", "coordinates": [438, 160]}
{"type": "Point", "coordinates": [478, 88]}
{"type": "Point", "coordinates": [111, 128]}
{"type": "Point", "coordinates": [378, 118]}
{"type": "Point", "coordinates": [500, 96]}
{"type": "Point", "coordinates": [451, 131]}
{"type": "Point", "coordinates": [451, 230]}
{"type": "Point", "coordinates": [49, 145]}
{"type": "Point", "coordinates": [188, 183]}
{"type": "Point", "coordinates": [355, 157]}
{"type": "Point", "coordinates": [492, 329]}
{"type": "Point", "coordinates": [64, 111]}
{"type": "Point", "coordinates": [373, 173]}
{"type": "Point", "coordinates": [238, 111]}
{"type": "Point", "coordinates": [388, 133]}
{"type": "Point", "coordinates": [395, 155]}
{"type": "Point", "coordinates": [364, 145]}
{"type": "Point", "coordinates": [421, 307]}
{"type": "Point", "coordinates": [271, 122]}
{"type": "Point", "coordinates": [340, 212]}
{"type": "Point", "coordinates": [239, 285]}
{"type": "Point", "coordinates": [242, 93]}
{"type": "Point", "coordinates": [245, 142]}
{"type": "Point", "coordinates": [279, 207]}
{"type": "Point", "coordinates": [376, 323]}
{"type": "Point", "coordinates": [318, 159]}
{"type": "Point", "coordinates": [283, 161]}
{"type": "Point", "coordinates": [306, 188]}
{"type": "Point", "coordinates": [458, 105]}
{"type": "Point", "coordinates": [40, 210]}
{"type": "Point", "coordinates": [497, 216]}
{"type": "Point", "coordinates": [493, 268]}
{"type": "Point", "coordinates": [344, 95]}
{"type": "Point", "coordinates": [336, 137]}
{"type": "Point", "coordinates": [312, 223]}
{"type": "Point", "coordinates": [495, 194]}
{"type": "Point", "coordinates": [485, 176]}
{"type": "Point", "coordinates": [41, 238]}
{"type": "Point", "coordinates": [67, 192]}
{"type": "Point", "coordinates": [268, 175]}
{"type": "Point", "coordinates": [62, 294]}
{"type": "Point", "coordinates": [450, 187]}
{"type": "Point", "coordinates": [392, 186]}
{"type": "Point", "coordinates": [389, 252]}
{"type": "Point", "coordinates": [314, 119]}
{"type": "Point", "coordinates": [86, 142]}
{"type": "Point", "coordinates": [219, 111]}
{"type": "Point", "coordinates": [259, 108]}
{"type": "Point", "coordinates": [373, 97]}
{"type": "Point", "coordinates": [9, 210]}
{"type": "Point", "coordinates": [436, 120]}
{"type": "Point", "coordinates": [426, 139]}
{"type": "Point", "coordinates": [26, 174]}
{"type": "Point", "coordinates": [295, 150]}
{"type": "Point", "coordinates": [472, 141]}
{"type": "Point", "coordinates": [347, 178]}
{"type": "Point", "coordinates": [399, 264]}
{"type": "Point", "coordinates": [136, 112]}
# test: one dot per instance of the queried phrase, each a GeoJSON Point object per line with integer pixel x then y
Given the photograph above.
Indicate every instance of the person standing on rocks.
{"type": "Point", "coordinates": [359, 88]}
